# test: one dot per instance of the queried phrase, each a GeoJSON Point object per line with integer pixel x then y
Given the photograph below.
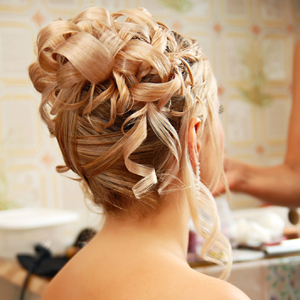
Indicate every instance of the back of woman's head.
{"type": "Point", "coordinates": [118, 92]}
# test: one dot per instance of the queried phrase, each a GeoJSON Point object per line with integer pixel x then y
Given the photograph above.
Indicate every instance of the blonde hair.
{"type": "Point", "coordinates": [118, 92]}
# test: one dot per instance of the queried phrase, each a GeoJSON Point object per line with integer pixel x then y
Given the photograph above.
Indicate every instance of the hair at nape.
{"type": "Point", "coordinates": [118, 91]}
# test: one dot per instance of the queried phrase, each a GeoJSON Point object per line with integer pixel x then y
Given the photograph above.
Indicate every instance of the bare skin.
{"type": "Point", "coordinates": [136, 259]}
{"type": "Point", "coordinates": [139, 259]}
{"type": "Point", "coordinates": [278, 185]}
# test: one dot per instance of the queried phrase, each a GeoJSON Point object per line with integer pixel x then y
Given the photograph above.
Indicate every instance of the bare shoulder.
{"type": "Point", "coordinates": [156, 278]}
{"type": "Point", "coordinates": [201, 286]}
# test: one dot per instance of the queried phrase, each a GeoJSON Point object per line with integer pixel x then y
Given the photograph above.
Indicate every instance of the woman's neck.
{"type": "Point", "coordinates": [166, 231]}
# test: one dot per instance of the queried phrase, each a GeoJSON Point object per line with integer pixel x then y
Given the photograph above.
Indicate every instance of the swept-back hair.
{"type": "Point", "coordinates": [118, 92]}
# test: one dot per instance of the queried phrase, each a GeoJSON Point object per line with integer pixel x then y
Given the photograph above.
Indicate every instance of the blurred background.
{"type": "Point", "coordinates": [250, 45]}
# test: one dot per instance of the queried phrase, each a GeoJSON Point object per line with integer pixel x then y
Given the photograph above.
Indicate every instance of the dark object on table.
{"type": "Point", "coordinates": [49, 265]}
{"type": "Point", "coordinates": [38, 264]}
{"type": "Point", "coordinates": [84, 237]}
{"type": "Point", "coordinates": [46, 265]}
{"type": "Point", "coordinates": [293, 216]}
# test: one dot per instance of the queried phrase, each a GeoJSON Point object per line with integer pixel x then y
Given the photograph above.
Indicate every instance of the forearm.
{"type": "Point", "coordinates": [293, 143]}
{"type": "Point", "coordinates": [292, 157]}
{"type": "Point", "coordinates": [279, 185]}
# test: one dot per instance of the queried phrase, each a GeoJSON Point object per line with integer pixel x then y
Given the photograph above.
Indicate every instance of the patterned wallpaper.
{"type": "Point", "coordinates": [250, 45]}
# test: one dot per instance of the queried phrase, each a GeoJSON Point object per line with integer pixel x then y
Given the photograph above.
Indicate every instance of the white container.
{"type": "Point", "coordinates": [21, 229]}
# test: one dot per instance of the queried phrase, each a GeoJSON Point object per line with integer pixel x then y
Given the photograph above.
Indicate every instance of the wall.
{"type": "Point", "coordinates": [241, 38]}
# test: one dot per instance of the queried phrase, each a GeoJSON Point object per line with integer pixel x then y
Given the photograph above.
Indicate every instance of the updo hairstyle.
{"type": "Point", "coordinates": [118, 92]}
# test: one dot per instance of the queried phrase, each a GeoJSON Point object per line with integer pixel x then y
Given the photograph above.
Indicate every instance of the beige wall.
{"type": "Point", "coordinates": [226, 29]}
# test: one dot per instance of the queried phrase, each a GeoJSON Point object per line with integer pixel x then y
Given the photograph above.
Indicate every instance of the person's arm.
{"type": "Point", "coordinates": [292, 157]}
{"type": "Point", "coordinates": [279, 185]}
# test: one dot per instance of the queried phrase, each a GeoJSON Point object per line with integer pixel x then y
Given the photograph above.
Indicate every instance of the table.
{"type": "Point", "coordinates": [11, 280]}
{"type": "Point", "coordinates": [265, 279]}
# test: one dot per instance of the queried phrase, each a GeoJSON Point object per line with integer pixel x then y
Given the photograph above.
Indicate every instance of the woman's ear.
{"type": "Point", "coordinates": [193, 141]}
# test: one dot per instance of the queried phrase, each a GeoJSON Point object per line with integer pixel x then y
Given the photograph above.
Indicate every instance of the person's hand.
{"type": "Point", "coordinates": [278, 185]}
{"type": "Point", "coordinates": [235, 173]}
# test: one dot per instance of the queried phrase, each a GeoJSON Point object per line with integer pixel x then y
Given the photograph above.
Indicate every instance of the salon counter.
{"type": "Point", "coordinates": [264, 279]}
